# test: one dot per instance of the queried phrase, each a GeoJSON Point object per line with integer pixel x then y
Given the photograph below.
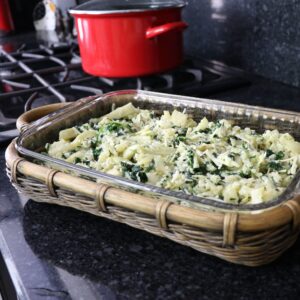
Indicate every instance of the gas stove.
{"type": "Point", "coordinates": [36, 75]}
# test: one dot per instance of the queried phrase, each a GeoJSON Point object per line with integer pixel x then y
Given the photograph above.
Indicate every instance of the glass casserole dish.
{"type": "Point", "coordinates": [45, 130]}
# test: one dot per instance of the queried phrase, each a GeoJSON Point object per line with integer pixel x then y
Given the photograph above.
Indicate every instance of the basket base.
{"type": "Point", "coordinates": [250, 249]}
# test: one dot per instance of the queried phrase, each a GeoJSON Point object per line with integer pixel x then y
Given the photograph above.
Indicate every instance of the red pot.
{"type": "Point", "coordinates": [6, 22]}
{"type": "Point", "coordinates": [132, 38]}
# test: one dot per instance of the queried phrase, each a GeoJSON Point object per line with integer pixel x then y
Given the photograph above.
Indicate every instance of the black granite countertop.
{"type": "Point", "coordinates": [53, 252]}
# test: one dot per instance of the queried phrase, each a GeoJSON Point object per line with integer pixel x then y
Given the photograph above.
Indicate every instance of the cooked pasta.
{"type": "Point", "coordinates": [209, 159]}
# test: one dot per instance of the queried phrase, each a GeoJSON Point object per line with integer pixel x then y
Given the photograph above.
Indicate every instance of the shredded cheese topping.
{"type": "Point", "coordinates": [208, 159]}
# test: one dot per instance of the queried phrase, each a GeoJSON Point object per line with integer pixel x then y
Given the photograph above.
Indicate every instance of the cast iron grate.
{"type": "Point", "coordinates": [35, 76]}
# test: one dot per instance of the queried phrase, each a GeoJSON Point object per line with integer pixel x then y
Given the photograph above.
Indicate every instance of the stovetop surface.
{"type": "Point", "coordinates": [53, 252]}
{"type": "Point", "coordinates": [34, 74]}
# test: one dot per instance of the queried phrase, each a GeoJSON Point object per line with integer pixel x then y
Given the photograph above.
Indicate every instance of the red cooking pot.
{"type": "Point", "coordinates": [6, 22]}
{"type": "Point", "coordinates": [129, 38]}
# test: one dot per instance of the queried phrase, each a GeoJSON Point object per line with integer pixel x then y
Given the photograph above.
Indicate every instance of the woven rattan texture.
{"type": "Point", "coordinates": [250, 249]}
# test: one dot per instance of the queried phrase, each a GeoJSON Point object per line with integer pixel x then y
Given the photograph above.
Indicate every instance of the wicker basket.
{"type": "Point", "coordinates": [242, 237]}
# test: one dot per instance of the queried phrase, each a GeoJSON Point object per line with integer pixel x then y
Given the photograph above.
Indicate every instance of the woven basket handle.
{"type": "Point", "coordinates": [28, 117]}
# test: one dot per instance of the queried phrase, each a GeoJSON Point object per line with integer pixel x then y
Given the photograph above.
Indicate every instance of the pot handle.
{"type": "Point", "coordinates": [161, 29]}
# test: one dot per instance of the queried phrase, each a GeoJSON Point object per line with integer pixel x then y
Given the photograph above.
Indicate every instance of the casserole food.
{"type": "Point", "coordinates": [249, 234]}
{"type": "Point", "coordinates": [129, 38]}
{"type": "Point", "coordinates": [170, 150]}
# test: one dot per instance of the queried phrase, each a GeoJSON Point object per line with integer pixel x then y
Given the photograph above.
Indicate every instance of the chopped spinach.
{"type": "Point", "coordinates": [150, 167]}
{"type": "Point", "coordinates": [178, 139]}
{"type": "Point", "coordinates": [182, 131]}
{"type": "Point", "coordinates": [192, 181]}
{"type": "Point", "coordinates": [232, 155]}
{"type": "Point", "coordinates": [94, 143]}
{"type": "Point", "coordinates": [78, 127]}
{"type": "Point", "coordinates": [233, 137]}
{"type": "Point", "coordinates": [134, 172]}
{"type": "Point", "coordinates": [206, 130]}
{"type": "Point", "coordinates": [245, 175]}
{"type": "Point", "coordinates": [114, 126]}
{"type": "Point", "coordinates": [86, 162]}
{"type": "Point", "coordinates": [83, 127]}
{"type": "Point", "coordinates": [77, 160]}
{"type": "Point", "coordinates": [218, 124]}
{"type": "Point", "coordinates": [73, 151]}
{"type": "Point", "coordinates": [245, 145]}
{"type": "Point", "coordinates": [279, 155]}
{"type": "Point", "coordinates": [269, 152]}
{"type": "Point", "coordinates": [202, 170]}
{"type": "Point", "coordinates": [190, 158]}
{"type": "Point", "coordinates": [273, 165]}
{"type": "Point", "coordinates": [94, 125]}
{"type": "Point", "coordinates": [95, 147]}
{"type": "Point", "coordinates": [80, 161]}
{"type": "Point", "coordinates": [181, 136]}
{"type": "Point", "coordinates": [175, 157]}
{"type": "Point", "coordinates": [214, 165]}
{"type": "Point", "coordinates": [96, 153]}
{"type": "Point", "coordinates": [219, 170]}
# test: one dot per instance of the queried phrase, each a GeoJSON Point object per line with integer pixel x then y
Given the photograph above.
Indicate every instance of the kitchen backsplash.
{"type": "Point", "coordinates": [262, 37]}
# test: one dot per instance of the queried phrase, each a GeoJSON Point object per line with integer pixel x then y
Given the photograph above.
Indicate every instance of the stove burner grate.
{"type": "Point", "coordinates": [31, 77]}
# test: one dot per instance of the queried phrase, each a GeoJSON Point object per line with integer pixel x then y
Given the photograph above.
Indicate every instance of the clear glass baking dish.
{"type": "Point", "coordinates": [32, 141]}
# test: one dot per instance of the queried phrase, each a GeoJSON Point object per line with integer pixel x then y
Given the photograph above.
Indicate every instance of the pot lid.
{"type": "Point", "coordinates": [97, 7]}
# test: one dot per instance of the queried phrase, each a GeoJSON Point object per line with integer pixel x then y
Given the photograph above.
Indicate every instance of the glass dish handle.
{"type": "Point", "coordinates": [30, 116]}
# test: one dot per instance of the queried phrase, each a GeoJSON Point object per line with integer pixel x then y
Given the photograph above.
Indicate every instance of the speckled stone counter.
{"type": "Point", "coordinates": [53, 252]}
